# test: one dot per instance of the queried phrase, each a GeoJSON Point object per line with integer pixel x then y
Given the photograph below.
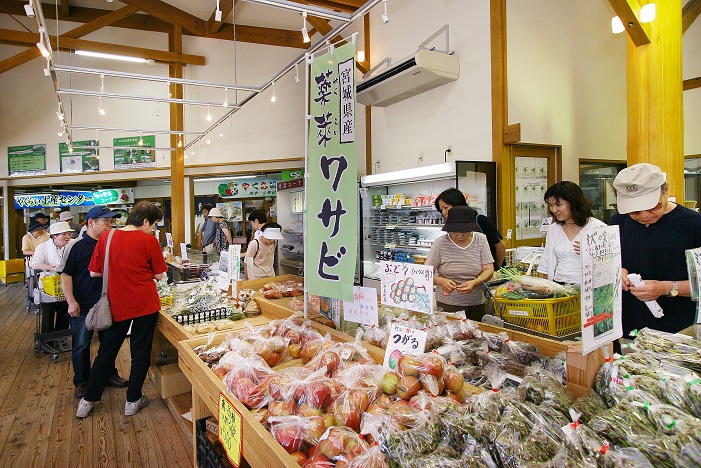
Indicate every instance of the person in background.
{"type": "Point", "coordinates": [207, 231]}
{"type": "Point", "coordinates": [655, 233]}
{"type": "Point", "coordinates": [41, 217]}
{"type": "Point", "coordinates": [36, 234]}
{"type": "Point", "coordinates": [82, 291]}
{"type": "Point", "coordinates": [222, 235]}
{"type": "Point", "coordinates": [259, 261]}
{"type": "Point", "coordinates": [454, 197]}
{"type": "Point", "coordinates": [462, 261]}
{"type": "Point", "coordinates": [258, 218]}
{"type": "Point", "coordinates": [48, 259]}
{"type": "Point", "coordinates": [135, 260]}
{"type": "Point", "coordinates": [68, 217]}
{"type": "Point", "coordinates": [571, 212]}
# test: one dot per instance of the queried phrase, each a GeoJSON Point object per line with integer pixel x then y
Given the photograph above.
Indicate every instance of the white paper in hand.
{"type": "Point", "coordinates": [652, 305]}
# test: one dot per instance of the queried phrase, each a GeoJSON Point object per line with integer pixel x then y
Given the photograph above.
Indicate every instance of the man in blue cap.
{"type": "Point", "coordinates": [82, 292]}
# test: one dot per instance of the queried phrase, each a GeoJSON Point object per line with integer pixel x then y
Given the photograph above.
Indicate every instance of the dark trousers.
{"type": "Point", "coordinates": [474, 312]}
{"type": "Point", "coordinates": [140, 342]}
{"type": "Point", "coordinates": [54, 316]}
{"type": "Point", "coordinates": [80, 351]}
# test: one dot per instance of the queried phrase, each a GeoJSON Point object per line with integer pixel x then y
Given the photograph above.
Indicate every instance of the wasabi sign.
{"type": "Point", "coordinates": [332, 205]}
{"type": "Point", "coordinates": [133, 157]}
{"type": "Point", "coordinates": [81, 159]}
{"type": "Point", "coordinates": [29, 160]}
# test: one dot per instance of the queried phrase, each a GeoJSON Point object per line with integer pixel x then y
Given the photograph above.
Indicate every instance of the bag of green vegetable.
{"type": "Point", "coordinates": [663, 451]}
{"type": "Point", "coordinates": [589, 405]}
{"type": "Point", "coordinates": [669, 419]}
{"type": "Point", "coordinates": [624, 457]}
{"type": "Point", "coordinates": [476, 455]}
{"type": "Point", "coordinates": [623, 425]}
{"type": "Point", "coordinates": [689, 456]}
{"type": "Point", "coordinates": [692, 401]}
{"type": "Point", "coordinates": [402, 445]}
{"type": "Point", "coordinates": [525, 353]}
{"type": "Point", "coordinates": [672, 346]}
{"type": "Point", "coordinates": [609, 384]}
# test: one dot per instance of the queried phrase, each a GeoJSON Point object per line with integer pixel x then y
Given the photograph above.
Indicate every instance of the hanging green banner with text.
{"type": "Point", "coordinates": [133, 156]}
{"type": "Point", "coordinates": [331, 218]}
{"type": "Point", "coordinates": [84, 157]}
{"type": "Point", "coordinates": [29, 160]}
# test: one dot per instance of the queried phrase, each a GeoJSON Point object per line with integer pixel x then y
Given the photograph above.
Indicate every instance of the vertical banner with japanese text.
{"type": "Point", "coordinates": [331, 219]}
{"type": "Point", "coordinates": [601, 287]}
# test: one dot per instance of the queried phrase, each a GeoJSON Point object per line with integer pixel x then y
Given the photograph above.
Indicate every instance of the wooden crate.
{"type": "Point", "coordinates": [258, 283]}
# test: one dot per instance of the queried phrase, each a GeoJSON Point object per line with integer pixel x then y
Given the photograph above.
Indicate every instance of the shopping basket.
{"type": "Point", "coordinates": [52, 285]}
{"type": "Point", "coordinates": [558, 316]}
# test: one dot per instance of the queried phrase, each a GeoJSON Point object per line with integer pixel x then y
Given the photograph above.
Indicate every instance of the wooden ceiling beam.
{"type": "Point", "coordinates": [626, 11]}
{"type": "Point", "coordinates": [13, 37]}
{"type": "Point", "coordinates": [65, 8]}
{"type": "Point", "coordinates": [348, 6]}
{"type": "Point", "coordinates": [171, 14]}
{"type": "Point", "coordinates": [692, 83]}
{"type": "Point", "coordinates": [690, 12]}
{"type": "Point", "coordinates": [226, 6]}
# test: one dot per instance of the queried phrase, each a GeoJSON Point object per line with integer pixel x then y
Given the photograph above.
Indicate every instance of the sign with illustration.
{"type": "Point", "coordinates": [403, 341]}
{"type": "Point", "coordinates": [132, 156]}
{"type": "Point", "coordinates": [248, 188]}
{"type": "Point", "coordinates": [292, 174]}
{"type": "Point", "coordinates": [601, 287]}
{"type": "Point", "coordinates": [407, 285]}
{"type": "Point", "coordinates": [28, 160]}
{"type": "Point", "coordinates": [84, 157]}
{"type": "Point", "coordinates": [73, 198]}
{"type": "Point", "coordinates": [233, 211]}
{"type": "Point", "coordinates": [332, 204]}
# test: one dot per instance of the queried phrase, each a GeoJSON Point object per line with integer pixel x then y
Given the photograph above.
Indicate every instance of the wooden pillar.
{"type": "Point", "coordinates": [177, 159]}
{"type": "Point", "coordinates": [501, 153]}
{"type": "Point", "coordinates": [655, 100]}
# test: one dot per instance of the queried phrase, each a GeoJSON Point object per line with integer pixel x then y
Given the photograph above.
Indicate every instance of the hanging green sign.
{"type": "Point", "coordinates": [28, 160]}
{"type": "Point", "coordinates": [104, 197]}
{"type": "Point", "coordinates": [133, 156]}
{"type": "Point", "coordinates": [83, 158]}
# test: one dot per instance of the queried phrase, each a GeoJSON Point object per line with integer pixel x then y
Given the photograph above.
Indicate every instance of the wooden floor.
{"type": "Point", "coordinates": [38, 427]}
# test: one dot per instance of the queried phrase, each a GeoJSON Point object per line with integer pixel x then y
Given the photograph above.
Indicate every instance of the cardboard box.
{"type": "Point", "coordinates": [12, 278]}
{"type": "Point", "coordinates": [169, 380]}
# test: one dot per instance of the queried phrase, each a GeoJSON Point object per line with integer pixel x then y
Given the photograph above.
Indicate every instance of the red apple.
{"type": "Point", "coordinates": [289, 438]}
{"type": "Point", "coordinates": [408, 365]}
{"type": "Point", "coordinates": [310, 350]}
{"type": "Point", "coordinates": [453, 381]}
{"type": "Point", "coordinates": [315, 430]}
{"type": "Point", "coordinates": [331, 361]}
{"type": "Point", "coordinates": [329, 420]}
{"type": "Point", "coordinates": [282, 408]}
{"type": "Point", "coordinates": [384, 401]}
{"type": "Point", "coordinates": [277, 386]}
{"type": "Point", "coordinates": [319, 394]}
{"type": "Point", "coordinates": [432, 364]}
{"type": "Point", "coordinates": [432, 385]}
{"type": "Point", "coordinates": [407, 387]}
{"type": "Point", "coordinates": [376, 409]}
{"type": "Point", "coordinates": [307, 410]}
{"type": "Point", "coordinates": [404, 414]}
{"type": "Point", "coordinates": [358, 399]}
{"type": "Point", "coordinates": [295, 350]}
{"type": "Point", "coordinates": [299, 457]}
{"type": "Point", "coordinates": [389, 383]}
{"type": "Point", "coordinates": [318, 460]}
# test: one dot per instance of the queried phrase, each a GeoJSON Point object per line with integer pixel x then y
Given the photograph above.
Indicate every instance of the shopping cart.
{"type": "Point", "coordinates": [31, 283]}
{"type": "Point", "coordinates": [53, 342]}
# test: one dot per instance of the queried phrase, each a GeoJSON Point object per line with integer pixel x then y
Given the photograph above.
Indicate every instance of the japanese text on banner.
{"type": "Point", "coordinates": [332, 205]}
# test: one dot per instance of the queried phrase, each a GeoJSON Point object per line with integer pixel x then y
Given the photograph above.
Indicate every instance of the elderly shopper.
{"type": "Point", "coordinates": [462, 262]}
{"type": "Point", "coordinates": [206, 231]}
{"type": "Point", "coordinates": [655, 232]}
{"type": "Point", "coordinates": [68, 217]}
{"type": "Point", "coordinates": [135, 260]}
{"type": "Point", "coordinates": [222, 236]}
{"type": "Point", "coordinates": [36, 234]}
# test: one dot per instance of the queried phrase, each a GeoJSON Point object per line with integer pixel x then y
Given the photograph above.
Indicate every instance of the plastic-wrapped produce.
{"type": "Point", "coordinates": [371, 458]}
{"type": "Point", "coordinates": [623, 426]}
{"type": "Point", "coordinates": [400, 446]}
{"type": "Point", "coordinates": [689, 456]}
{"type": "Point", "coordinates": [662, 451]}
{"type": "Point", "coordinates": [624, 457]}
{"type": "Point", "coordinates": [589, 405]}
{"type": "Point", "coordinates": [667, 346]}
{"type": "Point", "coordinates": [476, 455]}
{"type": "Point", "coordinates": [608, 383]}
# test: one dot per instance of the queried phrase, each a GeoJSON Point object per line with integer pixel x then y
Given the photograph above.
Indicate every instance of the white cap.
{"type": "Point", "coordinates": [638, 187]}
{"type": "Point", "coordinates": [215, 213]}
{"type": "Point", "coordinates": [272, 233]}
{"type": "Point", "coordinates": [65, 216]}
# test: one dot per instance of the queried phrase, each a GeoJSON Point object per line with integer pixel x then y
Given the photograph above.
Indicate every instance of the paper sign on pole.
{"type": "Point", "coordinates": [230, 430]}
{"type": "Point", "coordinates": [403, 340]}
{"type": "Point", "coordinates": [363, 309]}
{"type": "Point", "coordinates": [601, 287]}
{"type": "Point", "coordinates": [407, 285]}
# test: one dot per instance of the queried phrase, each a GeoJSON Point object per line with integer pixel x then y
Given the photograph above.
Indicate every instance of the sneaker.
{"type": "Point", "coordinates": [131, 408]}
{"type": "Point", "coordinates": [84, 408]}
{"type": "Point", "coordinates": [81, 390]}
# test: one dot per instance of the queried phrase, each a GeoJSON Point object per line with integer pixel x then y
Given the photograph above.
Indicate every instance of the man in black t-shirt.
{"type": "Point", "coordinates": [655, 233]}
{"type": "Point", "coordinates": [82, 292]}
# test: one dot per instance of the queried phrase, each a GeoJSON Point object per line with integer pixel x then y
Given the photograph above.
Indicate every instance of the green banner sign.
{"type": "Point", "coordinates": [104, 197]}
{"type": "Point", "coordinates": [292, 174]}
{"type": "Point", "coordinates": [29, 160]}
{"type": "Point", "coordinates": [132, 156]}
{"type": "Point", "coordinates": [84, 157]}
{"type": "Point", "coordinates": [331, 218]}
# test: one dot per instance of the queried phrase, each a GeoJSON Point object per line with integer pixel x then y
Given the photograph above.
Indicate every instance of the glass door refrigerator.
{"type": "Point", "coordinates": [399, 221]}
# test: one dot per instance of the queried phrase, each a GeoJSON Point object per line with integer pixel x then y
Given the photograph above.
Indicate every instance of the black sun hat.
{"type": "Point", "coordinates": [461, 219]}
{"type": "Point", "coordinates": [35, 225]}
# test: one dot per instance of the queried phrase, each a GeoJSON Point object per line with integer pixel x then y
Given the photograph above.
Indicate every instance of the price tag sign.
{"type": "Point", "coordinates": [230, 430]}
{"type": "Point", "coordinates": [403, 340]}
{"type": "Point", "coordinates": [363, 309]}
{"type": "Point", "coordinates": [183, 251]}
{"type": "Point", "coordinates": [169, 240]}
{"type": "Point", "coordinates": [407, 285]}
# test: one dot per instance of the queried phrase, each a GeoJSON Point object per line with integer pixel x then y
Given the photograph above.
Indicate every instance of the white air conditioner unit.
{"type": "Point", "coordinates": [425, 70]}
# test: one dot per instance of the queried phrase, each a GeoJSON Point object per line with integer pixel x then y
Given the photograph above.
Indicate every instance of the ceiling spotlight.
{"type": "Point", "coordinates": [305, 33]}
{"type": "Point", "coordinates": [226, 97]}
{"type": "Point", "coordinates": [297, 80]}
{"type": "Point", "coordinates": [158, 108]}
{"type": "Point", "coordinates": [47, 72]}
{"type": "Point", "coordinates": [209, 116]}
{"type": "Point", "coordinates": [385, 16]}
{"type": "Point", "coordinates": [60, 115]}
{"type": "Point", "coordinates": [110, 1]}
{"type": "Point", "coordinates": [100, 109]}
{"type": "Point", "coordinates": [221, 134]}
{"type": "Point", "coordinates": [170, 95]}
{"type": "Point", "coordinates": [217, 13]}
{"type": "Point", "coordinates": [647, 13]}
{"type": "Point", "coordinates": [29, 9]}
{"type": "Point", "coordinates": [42, 48]}
{"type": "Point", "coordinates": [70, 148]}
{"type": "Point", "coordinates": [273, 98]}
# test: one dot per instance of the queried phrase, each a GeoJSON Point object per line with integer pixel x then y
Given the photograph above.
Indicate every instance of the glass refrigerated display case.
{"type": "Point", "coordinates": [399, 221]}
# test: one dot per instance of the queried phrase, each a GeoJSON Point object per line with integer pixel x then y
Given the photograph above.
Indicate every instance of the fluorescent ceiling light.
{"type": "Point", "coordinates": [124, 58]}
{"type": "Point", "coordinates": [436, 171]}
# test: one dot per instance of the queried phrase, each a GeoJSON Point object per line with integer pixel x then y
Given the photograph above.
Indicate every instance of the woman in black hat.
{"type": "Point", "coordinates": [462, 261]}
{"type": "Point", "coordinates": [35, 235]}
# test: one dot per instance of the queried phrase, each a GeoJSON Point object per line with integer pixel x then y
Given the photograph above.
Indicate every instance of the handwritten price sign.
{"type": "Point", "coordinates": [230, 430]}
{"type": "Point", "coordinates": [403, 340]}
{"type": "Point", "coordinates": [363, 309]}
{"type": "Point", "coordinates": [407, 285]}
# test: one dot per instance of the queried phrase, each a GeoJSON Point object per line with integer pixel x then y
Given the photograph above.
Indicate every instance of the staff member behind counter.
{"type": "Point", "coordinates": [655, 233]}
{"type": "Point", "coordinates": [260, 255]}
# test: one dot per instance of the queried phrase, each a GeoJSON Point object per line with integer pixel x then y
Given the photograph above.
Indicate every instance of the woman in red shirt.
{"type": "Point", "coordinates": [135, 261]}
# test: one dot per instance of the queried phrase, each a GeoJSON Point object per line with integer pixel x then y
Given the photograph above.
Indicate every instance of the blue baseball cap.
{"type": "Point", "coordinates": [100, 212]}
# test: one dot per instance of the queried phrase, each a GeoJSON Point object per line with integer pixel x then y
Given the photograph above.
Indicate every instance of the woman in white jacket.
{"type": "Point", "coordinates": [572, 214]}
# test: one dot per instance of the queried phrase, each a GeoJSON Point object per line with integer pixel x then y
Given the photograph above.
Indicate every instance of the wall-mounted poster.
{"type": "Point", "coordinates": [248, 188]}
{"type": "Point", "coordinates": [84, 158]}
{"type": "Point", "coordinates": [28, 160]}
{"type": "Point", "coordinates": [133, 157]}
